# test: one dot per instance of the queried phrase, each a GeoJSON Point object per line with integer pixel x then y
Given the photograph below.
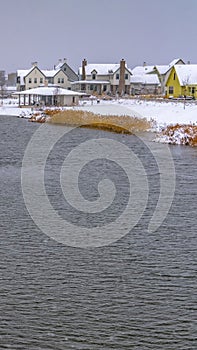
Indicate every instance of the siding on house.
{"type": "Point", "coordinates": [34, 78]}
{"type": "Point", "coordinates": [182, 81]}
{"type": "Point", "coordinates": [70, 73]}
{"type": "Point", "coordinates": [107, 78]}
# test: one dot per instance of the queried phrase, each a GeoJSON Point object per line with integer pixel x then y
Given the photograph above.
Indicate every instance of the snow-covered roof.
{"type": "Point", "coordinates": [139, 70]}
{"type": "Point", "coordinates": [48, 91]}
{"type": "Point", "coordinates": [175, 61]}
{"type": "Point", "coordinates": [100, 68]}
{"type": "Point", "coordinates": [162, 69]}
{"type": "Point", "coordinates": [50, 73]}
{"type": "Point", "coordinates": [22, 74]}
{"type": "Point", "coordinates": [187, 74]}
{"type": "Point", "coordinates": [145, 79]}
{"type": "Point", "coordinates": [47, 73]}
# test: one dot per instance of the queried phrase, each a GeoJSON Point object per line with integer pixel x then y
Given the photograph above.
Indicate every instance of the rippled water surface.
{"type": "Point", "coordinates": [137, 293]}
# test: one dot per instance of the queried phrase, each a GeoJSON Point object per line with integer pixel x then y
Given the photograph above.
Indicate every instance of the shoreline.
{"type": "Point", "coordinates": [161, 114]}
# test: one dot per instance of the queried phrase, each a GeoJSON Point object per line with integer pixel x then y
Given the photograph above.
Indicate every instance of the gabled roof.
{"type": "Point", "coordinates": [163, 69]}
{"type": "Point", "coordinates": [175, 61]}
{"type": "Point", "coordinates": [47, 73]}
{"type": "Point", "coordinates": [101, 68]}
{"type": "Point", "coordinates": [22, 74]}
{"type": "Point", "coordinates": [70, 73]}
{"type": "Point", "coordinates": [186, 73]}
{"type": "Point", "coordinates": [145, 79]}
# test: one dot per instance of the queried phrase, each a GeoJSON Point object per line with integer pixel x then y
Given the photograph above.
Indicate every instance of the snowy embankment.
{"type": "Point", "coordinates": [164, 115]}
{"type": "Point", "coordinates": [175, 122]}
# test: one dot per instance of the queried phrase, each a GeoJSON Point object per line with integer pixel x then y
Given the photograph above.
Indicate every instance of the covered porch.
{"type": "Point", "coordinates": [48, 96]}
{"type": "Point", "coordinates": [91, 86]}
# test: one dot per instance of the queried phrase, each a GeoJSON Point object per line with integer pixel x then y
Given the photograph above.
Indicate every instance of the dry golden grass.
{"type": "Point", "coordinates": [188, 132]}
{"type": "Point", "coordinates": [119, 124]}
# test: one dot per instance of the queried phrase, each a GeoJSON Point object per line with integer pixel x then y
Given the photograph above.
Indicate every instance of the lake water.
{"type": "Point", "coordinates": [137, 293]}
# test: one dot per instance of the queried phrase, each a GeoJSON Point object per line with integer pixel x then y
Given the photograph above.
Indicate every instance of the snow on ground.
{"type": "Point", "coordinates": [162, 112]}
{"type": "Point", "coordinates": [10, 107]}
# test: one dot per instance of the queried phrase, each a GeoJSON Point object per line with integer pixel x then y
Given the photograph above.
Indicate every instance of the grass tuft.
{"type": "Point", "coordinates": [119, 124]}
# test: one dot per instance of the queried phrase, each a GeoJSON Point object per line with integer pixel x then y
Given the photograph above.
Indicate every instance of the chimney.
{"type": "Point", "coordinates": [122, 77]}
{"type": "Point", "coordinates": [188, 62]}
{"type": "Point", "coordinates": [34, 64]}
{"type": "Point", "coordinates": [65, 60]}
{"type": "Point", "coordinates": [84, 64]}
{"type": "Point", "coordinates": [144, 64]}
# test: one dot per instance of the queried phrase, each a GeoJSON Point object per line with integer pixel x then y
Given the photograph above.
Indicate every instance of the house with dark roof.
{"type": "Point", "coordinates": [70, 73]}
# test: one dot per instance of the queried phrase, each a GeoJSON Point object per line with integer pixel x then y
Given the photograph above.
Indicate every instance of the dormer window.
{"type": "Point", "coordinates": [117, 76]}
{"type": "Point", "coordinates": [94, 73]}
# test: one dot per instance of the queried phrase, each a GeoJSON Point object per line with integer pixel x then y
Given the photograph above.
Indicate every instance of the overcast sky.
{"type": "Point", "coordinates": [154, 31]}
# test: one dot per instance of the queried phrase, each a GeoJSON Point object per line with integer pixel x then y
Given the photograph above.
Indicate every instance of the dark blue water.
{"type": "Point", "coordinates": [137, 293]}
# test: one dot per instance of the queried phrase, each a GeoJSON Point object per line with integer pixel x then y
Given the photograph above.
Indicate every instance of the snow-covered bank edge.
{"type": "Point", "coordinates": [164, 116]}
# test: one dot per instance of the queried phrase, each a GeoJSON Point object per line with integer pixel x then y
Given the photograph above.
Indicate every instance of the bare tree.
{"type": "Point", "coordinates": [2, 84]}
{"type": "Point", "coordinates": [185, 84]}
{"type": "Point", "coordinates": [56, 94]}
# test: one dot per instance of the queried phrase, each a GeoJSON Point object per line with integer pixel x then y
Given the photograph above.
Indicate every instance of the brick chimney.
{"type": "Point", "coordinates": [122, 77]}
{"type": "Point", "coordinates": [84, 64]}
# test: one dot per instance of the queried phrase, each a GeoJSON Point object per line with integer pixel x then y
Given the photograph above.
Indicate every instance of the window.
{"type": "Point", "coordinates": [117, 76]}
{"type": "Point", "coordinates": [35, 80]}
{"type": "Point", "coordinates": [58, 80]}
{"type": "Point", "coordinates": [174, 76]}
{"type": "Point", "coordinates": [104, 88]}
{"type": "Point", "coordinates": [41, 80]}
{"type": "Point", "coordinates": [93, 76]}
{"type": "Point", "coordinates": [193, 90]}
{"type": "Point", "coordinates": [171, 90]}
{"type": "Point", "coordinates": [64, 69]}
{"type": "Point", "coordinates": [62, 81]}
{"type": "Point", "coordinates": [91, 87]}
{"type": "Point", "coordinates": [29, 80]}
{"type": "Point", "coordinates": [126, 76]}
{"type": "Point", "coordinates": [18, 80]}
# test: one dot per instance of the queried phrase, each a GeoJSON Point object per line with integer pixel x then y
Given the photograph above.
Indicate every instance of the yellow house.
{"type": "Point", "coordinates": [182, 81]}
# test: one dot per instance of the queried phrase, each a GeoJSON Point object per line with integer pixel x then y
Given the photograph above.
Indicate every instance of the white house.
{"type": "Point", "coordinates": [48, 96]}
{"type": "Point", "coordinates": [34, 77]}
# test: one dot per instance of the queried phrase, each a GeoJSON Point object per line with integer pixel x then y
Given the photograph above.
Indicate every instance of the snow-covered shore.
{"type": "Point", "coordinates": [162, 113]}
